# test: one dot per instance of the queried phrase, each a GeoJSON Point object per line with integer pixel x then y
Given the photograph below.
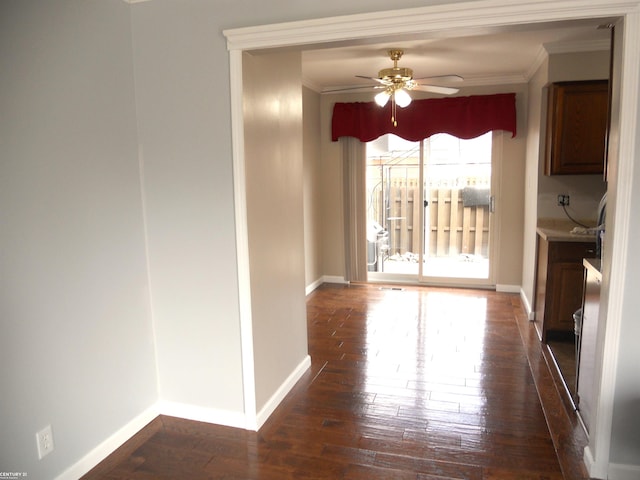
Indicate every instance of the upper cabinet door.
{"type": "Point", "coordinates": [576, 127]}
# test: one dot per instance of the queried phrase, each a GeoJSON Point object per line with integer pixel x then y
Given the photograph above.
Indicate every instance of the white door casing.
{"type": "Point", "coordinates": [449, 20]}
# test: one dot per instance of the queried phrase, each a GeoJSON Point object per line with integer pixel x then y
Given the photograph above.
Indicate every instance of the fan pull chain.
{"type": "Point", "coordinates": [393, 110]}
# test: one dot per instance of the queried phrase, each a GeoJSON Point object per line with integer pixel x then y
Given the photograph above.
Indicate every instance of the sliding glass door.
{"type": "Point", "coordinates": [428, 209]}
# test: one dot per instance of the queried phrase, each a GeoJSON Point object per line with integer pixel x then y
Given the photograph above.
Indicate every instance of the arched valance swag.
{"type": "Point", "coordinates": [463, 117]}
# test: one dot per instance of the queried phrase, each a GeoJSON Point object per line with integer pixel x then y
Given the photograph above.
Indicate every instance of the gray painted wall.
{"type": "Point", "coordinates": [91, 92]}
{"type": "Point", "coordinates": [76, 337]}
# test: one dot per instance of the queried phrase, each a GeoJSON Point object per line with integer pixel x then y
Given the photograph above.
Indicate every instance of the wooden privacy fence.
{"type": "Point", "coordinates": [458, 219]}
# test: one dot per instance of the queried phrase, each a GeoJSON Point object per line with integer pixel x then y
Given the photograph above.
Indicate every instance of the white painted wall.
{"type": "Point", "coordinates": [542, 190]}
{"type": "Point", "coordinates": [625, 427]}
{"type": "Point", "coordinates": [585, 191]}
{"type": "Point", "coordinates": [76, 344]}
{"type": "Point", "coordinates": [181, 69]}
{"type": "Point", "coordinates": [274, 196]}
{"type": "Point", "coordinates": [534, 155]}
{"type": "Point", "coordinates": [312, 173]}
{"type": "Point", "coordinates": [73, 259]}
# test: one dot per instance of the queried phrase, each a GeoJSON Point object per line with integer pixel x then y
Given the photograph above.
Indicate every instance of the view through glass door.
{"type": "Point", "coordinates": [428, 208]}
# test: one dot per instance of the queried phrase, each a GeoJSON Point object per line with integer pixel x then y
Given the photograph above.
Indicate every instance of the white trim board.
{"type": "Point", "coordinates": [623, 472]}
{"type": "Point", "coordinates": [202, 414]}
{"type": "Point", "coordinates": [468, 18]}
{"type": "Point", "coordinates": [531, 315]}
{"type": "Point", "coordinates": [126, 432]}
{"type": "Point", "coordinates": [235, 419]}
{"type": "Point", "coordinates": [108, 446]}
{"type": "Point", "coordinates": [334, 279]}
{"type": "Point", "coordinates": [455, 18]}
{"type": "Point", "coordinates": [614, 274]}
{"type": "Point", "coordinates": [313, 285]}
{"type": "Point", "coordinates": [266, 411]}
{"type": "Point", "coordinates": [242, 239]}
{"type": "Point", "coordinates": [504, 288]}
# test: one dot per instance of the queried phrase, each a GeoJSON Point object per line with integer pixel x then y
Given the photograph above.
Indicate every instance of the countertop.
{"type": "Point", "coordinates": [561, 235]}
{"type": "Point", "coordinates": [593, 264]}
{"type": "Point", "coordinates": [560, 231]}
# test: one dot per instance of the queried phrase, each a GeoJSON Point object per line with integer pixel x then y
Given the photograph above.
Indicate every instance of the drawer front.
{"type": "Point", "coordinates": [572, 252]}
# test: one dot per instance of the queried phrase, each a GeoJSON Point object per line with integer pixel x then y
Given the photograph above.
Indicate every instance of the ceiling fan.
{"type": "Point", "coordinates": [395, 83]}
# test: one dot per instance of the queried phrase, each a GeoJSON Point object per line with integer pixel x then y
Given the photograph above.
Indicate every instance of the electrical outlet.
{"type": "Point", "coordinates": [563, 200]}
{"type": "Point", "coordinates": [44, 440]}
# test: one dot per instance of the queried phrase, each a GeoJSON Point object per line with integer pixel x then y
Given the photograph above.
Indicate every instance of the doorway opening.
{"type": "Point", "coordinates": [428, 207]}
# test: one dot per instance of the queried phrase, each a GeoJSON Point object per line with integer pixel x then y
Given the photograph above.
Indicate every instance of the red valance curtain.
{"type": "Point", "coordinates": [463, 117]}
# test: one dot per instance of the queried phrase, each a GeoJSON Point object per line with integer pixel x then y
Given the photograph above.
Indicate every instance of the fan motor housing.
{"type": "Point", "coordinates": [396, 74]}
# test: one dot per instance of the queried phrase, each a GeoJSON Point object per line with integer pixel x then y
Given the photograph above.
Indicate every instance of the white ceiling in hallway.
{"type": "Point", "coordinates": [498, 57]}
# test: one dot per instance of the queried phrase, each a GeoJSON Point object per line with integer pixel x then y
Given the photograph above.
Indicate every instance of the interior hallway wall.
{"type": "Point", "coordinates": [585, 191]}
{"type": "Point", "coordinates": [542, 190]}
{"type": "Point", "coordinates": [76, 342]}
{"type": "Point", "coordinates": [185, 149]}
{"type": "Point", "coordinates": [534, 155]}
{"type": "Point", "coordinates": [312, 174]}
{"type": "Point", "coordinates": [181, 66]}
{"type": "Point", "coordinates": [274, 195]}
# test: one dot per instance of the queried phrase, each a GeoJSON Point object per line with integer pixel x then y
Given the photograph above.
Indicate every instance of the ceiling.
{"type": "Point", "coordinates": [487, 58]}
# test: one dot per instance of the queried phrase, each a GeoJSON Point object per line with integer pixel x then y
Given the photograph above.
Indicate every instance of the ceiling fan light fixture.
{"type": "Point", "coordinates": [382, 98]}
{"type": "Point", "coordinates": [402, 98]}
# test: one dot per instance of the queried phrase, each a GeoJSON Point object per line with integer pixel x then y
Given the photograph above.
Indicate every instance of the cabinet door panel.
{"type": "Point", "coordinates": [567, 296]}
{"type": "Point", "coordinates": [576, 127]}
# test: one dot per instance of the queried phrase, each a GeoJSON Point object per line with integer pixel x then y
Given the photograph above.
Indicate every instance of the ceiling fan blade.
{"type": "Point", "coordinates": [363, 88]}
{"type": "Point", "coordinates": [443, 78]}
{"type": "Point", "coordinates": [375, 79]}
{"type": "Point", "coordinates": [436, 89]}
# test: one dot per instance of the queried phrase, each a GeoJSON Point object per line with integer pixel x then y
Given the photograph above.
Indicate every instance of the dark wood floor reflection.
{"type": "Point", "coordinates": [417, 383]}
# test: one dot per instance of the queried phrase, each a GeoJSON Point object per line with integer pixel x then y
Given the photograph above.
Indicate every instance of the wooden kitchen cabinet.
{"type": "Point", "coordinates": [559, 279]}
{"type": "Point", "coordinates": [576, 127]}
{"type": "Point", "coordinates": [588, 352]}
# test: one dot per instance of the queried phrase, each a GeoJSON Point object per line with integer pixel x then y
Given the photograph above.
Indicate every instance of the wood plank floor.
{"type": "Point", "coordinates": [413, 383]}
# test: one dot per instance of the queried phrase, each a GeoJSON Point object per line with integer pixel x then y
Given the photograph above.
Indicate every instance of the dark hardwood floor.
{"type": "Point", "coordinates": [564, 354]}
{"type": "Point", "coordinates": [418, 383]}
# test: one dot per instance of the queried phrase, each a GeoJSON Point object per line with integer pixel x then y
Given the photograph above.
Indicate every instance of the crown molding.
{"type": "Point", "coordinates": [564, 47]}
{"type": "Point", "coordinates": [309, 83]}
{"type": "Point", "coordinates": [541, 57]}
{"type": "Point", "coordinates": [436, 19]}
{"type": "Point", "coordinates": [574, 47]}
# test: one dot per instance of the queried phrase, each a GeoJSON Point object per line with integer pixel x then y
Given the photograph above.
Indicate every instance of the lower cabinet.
{"type": "Point", "coordinates": [588, 342]}
{"type": "Point", "coordinates": [559, 279]}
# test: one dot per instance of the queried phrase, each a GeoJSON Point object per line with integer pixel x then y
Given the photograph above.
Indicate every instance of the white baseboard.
{"type": "Point", "coordinates": [531, 315]}
{"type": "Point", "coordinates": [282, 392]}
{"type": "Point", "coordinates": [235, 419]}
{"type": "Point", "coordinates": [618, 471]}
{"type": "Point", "coordinates": [325, 279]}
{"type": "Point", "coordinates": [595, 470]}
{"type": "Point", "coordinates": [181, 410]}
{"type": "Point", "coordinates": [508, 288]}
{"type": "Point", "coordinates": [202, 414]}
{"type": "Point", "coordinates": [173, 409]}
{"type": "Point", "coordinates": [310, 288]}
{"type": "Point", "coordinates": [333, 279]}
{"type": "Point", "coordinates": [102, 451]}
{"type": "Point", "coordinates": [611, 471]}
